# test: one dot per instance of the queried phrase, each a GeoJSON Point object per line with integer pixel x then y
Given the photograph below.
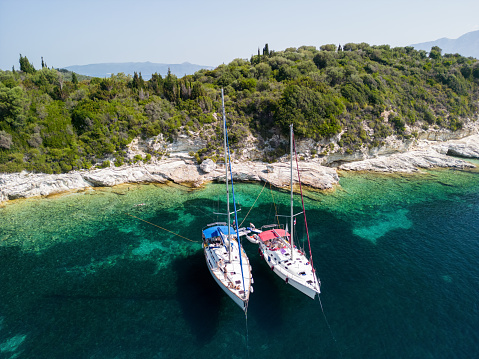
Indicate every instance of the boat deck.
{"type": "Point", "coordinates": [293, 267]}
{"type": "Point", "coordinates": [233, 276]}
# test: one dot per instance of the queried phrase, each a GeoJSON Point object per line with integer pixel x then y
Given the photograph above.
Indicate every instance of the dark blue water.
{"type": "Point", "coordinates": [398, 258]}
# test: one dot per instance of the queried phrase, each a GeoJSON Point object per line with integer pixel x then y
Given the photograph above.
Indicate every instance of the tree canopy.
{"type": "Point", "coordinates": [55, 121]}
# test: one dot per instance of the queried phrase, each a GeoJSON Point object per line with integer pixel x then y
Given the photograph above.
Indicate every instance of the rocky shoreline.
{"type": "Point", "coordinates": [182, 170]}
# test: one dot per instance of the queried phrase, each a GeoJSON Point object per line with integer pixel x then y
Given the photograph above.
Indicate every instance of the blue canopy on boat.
{"type": "Point", "coordinates": [214, 231]}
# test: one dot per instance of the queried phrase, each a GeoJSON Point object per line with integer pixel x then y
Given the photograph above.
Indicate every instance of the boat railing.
{"type": "Point", "coordinates": [266, 226]}
{"type": "Point", "coordinates": [215, 224]}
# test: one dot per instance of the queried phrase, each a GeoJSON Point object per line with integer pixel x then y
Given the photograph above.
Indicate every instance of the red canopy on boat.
{"type": "Point", "coordinates": [273, 233]}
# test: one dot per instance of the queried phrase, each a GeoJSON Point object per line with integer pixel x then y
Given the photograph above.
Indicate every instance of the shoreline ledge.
{"type": "Point", "coordinates": [425, 155]}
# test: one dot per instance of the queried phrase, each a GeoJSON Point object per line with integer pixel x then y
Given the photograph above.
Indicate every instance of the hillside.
{"type": "Point", "coordinates": [343, 101]}
{"type": "Point", "coordinates": [466, 45]}
{"type": "Point", "coordinates": [129, 68]}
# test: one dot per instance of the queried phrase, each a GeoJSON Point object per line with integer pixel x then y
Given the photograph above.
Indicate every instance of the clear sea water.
{"type": "Point", "coordinates": [398, 257]}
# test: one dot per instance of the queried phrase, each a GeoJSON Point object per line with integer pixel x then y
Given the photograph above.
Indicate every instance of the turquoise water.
{"type": "Point", "coordinates": [80, 277]}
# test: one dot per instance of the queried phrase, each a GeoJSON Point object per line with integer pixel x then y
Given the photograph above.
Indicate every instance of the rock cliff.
{"type": "Point", "coordinates": [177, 166]}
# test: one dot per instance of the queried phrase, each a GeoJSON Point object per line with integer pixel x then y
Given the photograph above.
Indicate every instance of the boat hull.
{"type": "Point", "coordinates": [228, 264]}
{"type": "Point", "coordinates": [306, 283]}
{"type": "Point", "coordinates": [243, 304]}
{"type": "Point", "coordinates": [310, 292]}
{"type": "Point", "coordinates": [252, 239]}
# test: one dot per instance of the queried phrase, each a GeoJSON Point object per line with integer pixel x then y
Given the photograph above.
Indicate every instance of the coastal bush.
{"type": "Point", "coordinates": [105, 164]}
{"type": "Point", "coordinates": [52, 121]}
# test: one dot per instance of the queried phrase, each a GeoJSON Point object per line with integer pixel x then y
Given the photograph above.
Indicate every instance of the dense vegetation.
{"type": "Point", "coordinates": [56, 121]}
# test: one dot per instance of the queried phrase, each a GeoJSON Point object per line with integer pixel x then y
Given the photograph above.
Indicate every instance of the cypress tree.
{"type": "Point", "coordinates": [26, 66]}
{"type": "Point", "coordinates": [74, 79]}
{"type": "Point", "coordinates": [266, 50]}
{"type": "Point", "coordinates": [136, 81]}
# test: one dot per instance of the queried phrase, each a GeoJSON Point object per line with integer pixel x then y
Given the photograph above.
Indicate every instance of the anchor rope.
{"type": "Point", "coordinates": [244, 219]}
{"type": "Point", "coordinates": [203, 211]}
{"type": "Point", "coordinates": [247, 333]}
{"type": "Point", "coordinates": [329, 327]}
{"type": "Point", "coordinates": [176, 234]}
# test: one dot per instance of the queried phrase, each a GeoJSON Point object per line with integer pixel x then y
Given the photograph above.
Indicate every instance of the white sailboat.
{"type": "Point", "coordinates": [277, 248]}
{"type": "Point", "coordinates": [225, 257]}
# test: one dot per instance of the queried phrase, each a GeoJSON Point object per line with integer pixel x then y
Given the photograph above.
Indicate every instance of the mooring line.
{"type": "Point", "coordinates": [202, 211]}
{"type": "Point", "coordinates": [244, 219]}
{"type": "Point", "coordinates": [247, 334]}
{"type": "Point", "coordinates": [162, 228]}
{"type": "Point", "coordinates": [330, 330]}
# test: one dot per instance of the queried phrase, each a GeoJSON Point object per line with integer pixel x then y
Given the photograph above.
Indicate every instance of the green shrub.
{"type": "Point", "coordinates": [118, 161]}
{"type": "Point", "coordinates": [105, 164]}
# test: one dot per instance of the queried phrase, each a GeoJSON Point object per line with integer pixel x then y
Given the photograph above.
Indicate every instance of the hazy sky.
{"type": "Point", "coordinates": [210, 32]}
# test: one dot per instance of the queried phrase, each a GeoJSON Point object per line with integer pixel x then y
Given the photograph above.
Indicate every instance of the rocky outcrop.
{"type": "Point", "coordinates": [208, 165]}
{"type": "Point", "coordinates": [407, 162]}
{"type": "Point", "coordinates": [326, 151]}
{"type": "Point", "coordinates": [181, 169]}
{"type": "Point", "coordinates": [467, 147]}
{"type": "Point", "coordinates": [108, 177]}
{"type": "Point", "coordinates": [22, 185]}
{"type": "Point", "coordinates": [334, 155]}
{"type": "Point", "coordinates": [279, 174]}
{"type": "Point", "coordinates": [426, 154]}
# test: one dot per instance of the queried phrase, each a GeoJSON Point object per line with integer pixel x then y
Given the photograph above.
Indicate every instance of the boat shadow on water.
{"type": "Point", "coordinates": [198, 295]}
{"type": "Point", "coordinates": [265, 306]}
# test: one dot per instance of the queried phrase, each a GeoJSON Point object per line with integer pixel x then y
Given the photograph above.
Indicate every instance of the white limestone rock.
{"type": "Point", "coordinates": [467, 147]}
{"type": "Point", "coordinates": [208, 165]}
{"type": "Point", "coordinates": [24, 184]}
{"type": "Point", "coordinates": [108, 177]}
{"type": "Point", "coordinates": [407, 162]}
{"type": "Point", "coordinates": [422, 154]}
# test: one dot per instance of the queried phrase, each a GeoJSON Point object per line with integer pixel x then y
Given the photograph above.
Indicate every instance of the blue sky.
{"type": "Point", "coordinates": [211, 32]}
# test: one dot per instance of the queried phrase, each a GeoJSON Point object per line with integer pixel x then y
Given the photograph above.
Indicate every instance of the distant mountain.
{"type": "Point", "coordinates": [466, 45]}
{"type": "Point", "coordinates": [128, 68]}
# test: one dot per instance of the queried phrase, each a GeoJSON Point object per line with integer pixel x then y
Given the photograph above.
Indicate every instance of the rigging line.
{"type": "Point", "coordinates": [330, 330]}
{"type": "Point", "coordinates": [244, 219]}
{"type": "Point", "coordinates": [162, 228]}
{"type": "Point", "coordinates": [302, 202]}
{"type": "Point", "coordinates": [275, 209]}
{"type": "Point", "coordinates": [234, 204]}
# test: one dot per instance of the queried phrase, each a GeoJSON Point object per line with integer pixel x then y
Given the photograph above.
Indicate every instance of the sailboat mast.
{"type": "Point", "coordinates": [226, 168]}
{"type": "Point", "coordinates": [292, 219]}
